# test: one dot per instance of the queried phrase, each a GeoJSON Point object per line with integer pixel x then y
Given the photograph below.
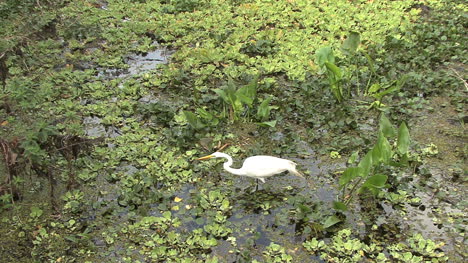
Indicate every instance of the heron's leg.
{"type": "Point", "coordinates": [256, 187]}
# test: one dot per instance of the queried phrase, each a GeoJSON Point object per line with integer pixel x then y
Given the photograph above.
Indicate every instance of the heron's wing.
{"type": "Point", "coordinates": [264, 166]}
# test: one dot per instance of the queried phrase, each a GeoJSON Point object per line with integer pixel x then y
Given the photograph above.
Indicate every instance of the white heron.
{"type": "Point", "coordinates": [258, 167]}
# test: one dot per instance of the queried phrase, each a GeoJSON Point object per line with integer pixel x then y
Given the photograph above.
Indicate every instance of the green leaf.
{"type": "Point", "coordinates": [224, 205]}
{"type": "Point", "coordinates": [200, 221]}
{"type": "Point", "coordinates": [245, 96]}
{"type": "Point", "coordinates": [263, 111]}
{"type": "Point", "coordinates": [71, 238]}
{"type": "Point", "coordinates": [271, 124]}
{"type": "Point", "coordinates": [366, 164]}
{"type": "Point", "coordinates": [373, 89]}
{"type": "Point", "coordinates": [340, 206]}
{"type": "Point", "coordinates": [229, 96]}
{"type": "Point", "coordinates": [334, 77]}
{"type": "Point", "coordinates": [377, 181]}
{"type": "Point", "coordinates": [386, 127]}
{"type": "Point", "coordinates": [403, 140]}
{"type": "Point", "coordinates": [213, 195]}
{"type": "Point", "coordinates": [36, 212]}
{"type": "Point", "coordinates": [204, 114]}
{"type": "Point", "coordinates": [167, 215]}
{"type": "Point", "coordinates": [210, 118]}
{"type": "Point", "coordinates": [382, 151]}
{"type": "Point", "coordinates": [353, 157]}
{"type": "Point", "coordinates": [351, 44]}
{"type": "Point", "coordinates": [385, 92]}
{"type": "Point", "coordinates": [349, 174]}
{"type": "Point", "coordinates": [335, 70]}
{"type": "Point", "coordinates": [392, 88]}
{"type": "Point", "coordinates": [330, 221]}
{"type": "Point", "coordinates": [337, 92]}
{"type": "Point", "coordinates": [222, 94]}
{"type": "Point", "coordinates": [247, 93]}
{"type": "Point", "coordinates": [374, 183]}
{"type": "Point", "coordinates": [370, 62]}
{"type": "Point", "coordinates": [193, 120]}
{"type": "Point", "coordinates": [323, 55]}
{"type": "Point", "coordinates": [403, 162]}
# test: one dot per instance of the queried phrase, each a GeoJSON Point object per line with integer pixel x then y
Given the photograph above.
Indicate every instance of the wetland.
{"type": "Point", "coordinates": [106, 105]}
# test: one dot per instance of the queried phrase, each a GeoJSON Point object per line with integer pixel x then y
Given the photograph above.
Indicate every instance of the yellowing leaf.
{"type": "Point", "coordinates": [177, 199]}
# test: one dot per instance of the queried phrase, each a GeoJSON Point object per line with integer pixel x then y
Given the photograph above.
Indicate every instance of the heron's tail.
{"type": "Point", "coordinates": [293, 170]}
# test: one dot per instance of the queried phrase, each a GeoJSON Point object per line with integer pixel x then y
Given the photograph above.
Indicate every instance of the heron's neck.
{"type": "Point", "coordinates": [227, 166]}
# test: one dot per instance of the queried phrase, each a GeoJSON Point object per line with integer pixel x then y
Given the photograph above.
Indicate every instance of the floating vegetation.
{"type": "Point", "coordinates": [105, 106]}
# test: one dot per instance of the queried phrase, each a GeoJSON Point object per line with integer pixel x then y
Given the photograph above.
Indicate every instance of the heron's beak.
{"type": "Point", "coordinates": [205, 157]}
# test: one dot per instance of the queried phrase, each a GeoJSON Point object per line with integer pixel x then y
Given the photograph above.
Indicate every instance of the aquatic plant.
{"type": "Point", "coordinates": [367, 175]}
{"type": "Point", "coordinates": [117, 147]}
{"type": "Point", "coordinates": [344, 248]}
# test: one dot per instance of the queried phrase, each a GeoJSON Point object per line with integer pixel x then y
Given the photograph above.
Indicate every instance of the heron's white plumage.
{"type": "Point", "coordinates": [259, 167]}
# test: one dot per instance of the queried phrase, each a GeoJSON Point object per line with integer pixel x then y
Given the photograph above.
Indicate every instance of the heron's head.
{"type": "Point", "coordinates": [213, 155]}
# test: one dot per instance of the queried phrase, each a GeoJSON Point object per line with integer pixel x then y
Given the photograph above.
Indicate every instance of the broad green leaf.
{"type": "Point", "coordinates": [323, 55]}
{"type": "Point", "coordinates": [193, 120]}
{"type": "Point", "coordinates": [334, 77]}
{"type": "Point", "coordinates": [377, 180]}
{"type": "Point", "coordinates": [374, 190]}
{"type": "Point", "coordinates": [349, 174]}
{"type": "Point", "coordinates": [271, 124]}
{"type": "Point", "coordinates": [222, 94]}
{"type": "Point", "coordinates": [244, 98]}
{"type": "Point", "coordinates": [374, 183]}
{"type": "Point", "coordinates": [71, 238]}
{"type": "Point", "coordinates": [304, 209]}
{"type": "Point", "coordinates": [208, 117]}
{"type": "Point", "coordinates": [366, 164]}
{"type": "Point", "coordinates": [167, 215]}
{"type": "Point", "coordinates": [335, 70]}
{"type": "Point", "coordinates": [248, 92]}
{"type": "Point", "coordinates": [370, 62]}
{"type": "Point", "coordinates": [224, 205]}
{"type": "Point", "coordinates": [213, 195]}
{"type": "Point", "coordinates": [385, 92]}
{"type": "Point", "coordinates": [237, 106]}
{"type": "Point", "coordinates": [230, 95]}
{"type": "Point", "coordinates": [373, 89]}
{"type": "Point", "coordinates": [403, 140]}
{"type": "Point", "coordinates": [353, 157]}
{"type": "Point", "coordinates": [382, 151]}
{"type": "Point", "coordinates": [386, 127]}
{"type": "Point", "coordinates": [403, 162]}
{"type": "Point", "coordinates": [204, 114]}
{"type": "Point", "coordinates": [340, 206]}
{"type": "Point", "coordinates": [36, 212]}
{"type": "Point", "coordinates": [330, 221]}
{"type": "Point", "coordinates": [351, 44]}
{"type": "Point", "coordinates": [263, 111]}
{"type": "Point", "coordinates": [232, 98]}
